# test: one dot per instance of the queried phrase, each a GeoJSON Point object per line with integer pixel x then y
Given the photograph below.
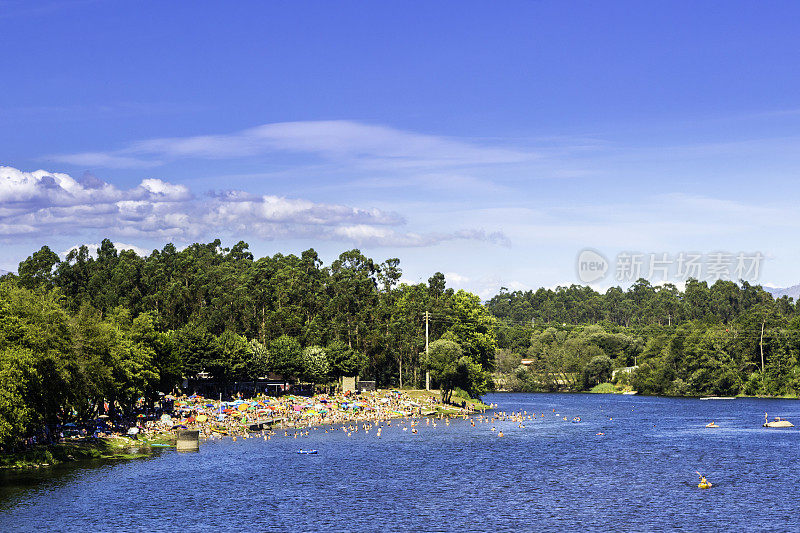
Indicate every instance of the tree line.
{"type": "Point", "coordinates": [724, 339]}
{"type": "Point", "coordinates": [97, 331]}
{"type": "Point", "coordinates": [642, 304]}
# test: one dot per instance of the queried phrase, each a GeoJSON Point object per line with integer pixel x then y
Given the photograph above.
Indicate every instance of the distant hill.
{"type": "Point", "coordinates": [791, 292]}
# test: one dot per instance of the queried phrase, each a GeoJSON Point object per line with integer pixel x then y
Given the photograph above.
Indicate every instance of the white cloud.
{"type": "Point", "coordinates": [52, 202]}
{"type": "Point", "coordinates": [166, 190]}
{"type": "Point", "coordinates": [141, 252]}
{"type": "Point", "coordinates": [483, 286]}
{"type": "Point", "coordinates": [41, 202]}
{"type": "Point", "coordinates": [105, 160]}
{"type": "Point", "coordinates": [456, 278]}
{"type": "Point", "coordinates": [380, 236]}
{"type": "Point", "coordinates": [370, 145]}
{"type": "Point", "coordinates": [238, 206]}
{"type": "Point", "coordinates": [19, 187]}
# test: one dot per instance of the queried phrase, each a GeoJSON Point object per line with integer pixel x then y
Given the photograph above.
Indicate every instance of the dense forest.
{"type": "Point", "coordinates": [88, 332]}
{"type": "Point", "coordinates": [641, 305]}
{"type": "Point", "coordinates": [98, 332]}
{"type": "Point", "coordinates": [723, 339]}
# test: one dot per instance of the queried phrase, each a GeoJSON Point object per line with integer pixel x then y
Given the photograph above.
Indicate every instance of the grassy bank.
{"type": "Point", "coordinates": [82, 450]}
{"type": "Point", "coordinates": [420, 395]}
{"type": "Point", "coordinates": [610, 388]}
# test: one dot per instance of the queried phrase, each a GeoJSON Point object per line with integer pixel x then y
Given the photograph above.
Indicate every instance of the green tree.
{"type": "Point", "coordinates": [507, 361]}
{"type": "Point", "coordinates": [259, 360]}
{"type": "Point", "coordinates": [444, 361]}
{"type": "Point", "coordinates": [195, 348]}
{"type": "Point", "coordinates": [19, 416]}
{"type": "Point", "coordinates": [476, 381]}
{"type": "Point", "coordinates": [597, 371]}
{"type": "Point", "coordinates": [474, 328]}
{"type": "Point", "coordinates": [285, 355]}
{"type": "Point", "coordinates": [38, 269]}
{"type": "Point", "coordinates": [315, 364]}
{"type": "Point", "coordinates": [233, 357]}
{"type": "Point", "coordinates": [343, 360]}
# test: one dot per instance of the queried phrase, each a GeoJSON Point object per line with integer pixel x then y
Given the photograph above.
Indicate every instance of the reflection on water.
{"type": "Point", "coordinates": [640, 475]}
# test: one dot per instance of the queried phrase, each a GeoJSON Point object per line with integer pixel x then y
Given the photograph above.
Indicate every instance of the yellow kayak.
{"type": "Point", "coordinates": [704, 485]}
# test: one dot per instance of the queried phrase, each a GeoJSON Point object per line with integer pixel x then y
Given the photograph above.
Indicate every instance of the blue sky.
{"type": "Point", "coordinates": [489, 141]}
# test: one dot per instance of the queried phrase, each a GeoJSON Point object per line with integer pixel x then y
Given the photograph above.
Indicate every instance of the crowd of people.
{"type": "Point", "coordinates": [243, 417]}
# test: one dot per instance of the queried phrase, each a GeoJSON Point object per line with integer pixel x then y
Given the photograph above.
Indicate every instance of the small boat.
{"type": "Point", "coordinates": [712, 425]}
{"type": "Point", "coordinates": [779, 424]}
{"type": "Point", "coordinates": [705, 485]}
{"type": "Point", "coordinates": [719, 398]}
{"type": "Point", "coordinates": [307, 452]}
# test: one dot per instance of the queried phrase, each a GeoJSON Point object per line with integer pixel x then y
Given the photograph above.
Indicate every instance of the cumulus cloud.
{"type": "Point", "coordinates": [142, 252]}
{"type": "Point", "coordinates": [41, 202]}
{"type": "Point", "coordinates": [21, 188]}
{"type": "Point", "coordinates": [483, 286]}
{"type": "Point", "coordinates": [53, 202]}
{"type": "Point", "coordinates": [164, 190]}
{"type": "Point", "coordinates": [367, 144]}
{"type": "Point", "coordinates": [238, 207]}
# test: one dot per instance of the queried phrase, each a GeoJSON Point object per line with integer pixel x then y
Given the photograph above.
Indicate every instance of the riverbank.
{"type": "Point", "coordinates": [82, 449]}
{"type": "Point", "coordinates": [474, 404]}
{"type": "Point", "coordinates": [611, 388]}
{"type": "Point", "coordinates": [617, 388]}
{"type": "Point", "coordinates": [242, 417]}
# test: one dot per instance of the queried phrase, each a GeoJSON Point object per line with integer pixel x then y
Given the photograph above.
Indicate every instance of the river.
{"type": "Point", "coordinates": [551, 474]}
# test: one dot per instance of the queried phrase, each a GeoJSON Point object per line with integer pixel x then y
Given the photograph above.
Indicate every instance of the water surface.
{"type": "Point", "coordinates": [639, 476]}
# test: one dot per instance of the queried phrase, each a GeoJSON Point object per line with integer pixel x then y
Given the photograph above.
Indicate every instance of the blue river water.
{"type": "Point", "coordinates": [551, 474]}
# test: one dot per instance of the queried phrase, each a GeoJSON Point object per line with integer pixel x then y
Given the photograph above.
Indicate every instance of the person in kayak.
{"type": "Point", "coordinates": [704, 484]}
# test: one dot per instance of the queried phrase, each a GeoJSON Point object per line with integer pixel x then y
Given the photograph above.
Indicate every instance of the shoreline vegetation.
{"type": "Point", "coordinates": [74, 451]}
{"type": "Point", "coordinates": [610, 388]}
{"type": "Point", "coordinates": [111, 333]}
{"type": "Point", "coordinates": [723, 339]}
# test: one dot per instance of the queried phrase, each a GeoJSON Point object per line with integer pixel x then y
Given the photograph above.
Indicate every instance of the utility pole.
{"type": "Point", "coordinates": [427, 360]}
{"type": "Point", "coordinates": [761, 345]}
